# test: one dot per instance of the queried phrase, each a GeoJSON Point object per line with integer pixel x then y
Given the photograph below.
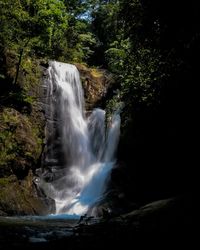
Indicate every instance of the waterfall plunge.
{"type": "Point", "coordinates": [80, 170]}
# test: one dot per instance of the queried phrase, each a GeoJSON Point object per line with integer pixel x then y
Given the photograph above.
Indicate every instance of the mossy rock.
{"type": "Point", "coordinates": [95, 84]}
{"type": "Point", "coordinates": [20, 144]}
{"type": "Point", "coordinates": [21, 197]}
{"type": "Point", "coordinates": [21, 137]}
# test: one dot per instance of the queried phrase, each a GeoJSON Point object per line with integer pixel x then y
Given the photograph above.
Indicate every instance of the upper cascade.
{"type": "Point", "coordinates": [80, 151]}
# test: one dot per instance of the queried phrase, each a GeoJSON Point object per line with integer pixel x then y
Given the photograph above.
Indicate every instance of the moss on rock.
{"type": "Point", "coordinates": [20, 145]}
{"type": "Point", "coordinates": [21, 197]}
{"type": "Point", "coordinates": [21, 139]}
{"type": "Point", "coordinates": [95, 83]}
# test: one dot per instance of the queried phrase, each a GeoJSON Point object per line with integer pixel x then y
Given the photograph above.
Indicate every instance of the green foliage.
{"type": "Point", "coordinates": [54, 29]}
{"type": "Point", "coordinates": [116, 55]}
{"type": "Point", "coordinates": [123, 50]}
{"type": "Point", "coordinates": [8, 144]}
{"type": "Point", "coordinates": [87, 41]}
{"type": "Point", "coordinates": [20, 142]}
{"type": "Point", "coordinates": [106, 28]}
{"type": "Point", "coordinates": [35, 26]}
{"type": "Point", "coordinates": [81, 41]}
{"type": "Point", "coordinates": [8, 147]}
{"type": "Point", "coordinates": [4, 182]}
{"type": "Point", "coordinates": [141, 75]}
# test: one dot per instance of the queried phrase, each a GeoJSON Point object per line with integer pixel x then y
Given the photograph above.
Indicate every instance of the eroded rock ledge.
{"type": "Point", "coordinates": [96, 83]}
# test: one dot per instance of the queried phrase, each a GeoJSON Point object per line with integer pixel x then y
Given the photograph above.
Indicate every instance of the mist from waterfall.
{"type": "Point", "coordinates": [80, 169]}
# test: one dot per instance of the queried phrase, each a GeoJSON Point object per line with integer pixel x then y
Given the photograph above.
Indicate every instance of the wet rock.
{"type": "Point", "coordinates": [20, 145]}
{"type": "Point", "coordinates": [96, 83]}
{"type": "Point", "coordinates": [22, 197]}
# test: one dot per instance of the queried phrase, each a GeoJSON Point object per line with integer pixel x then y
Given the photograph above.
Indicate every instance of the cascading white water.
{"type": "Point", "coordinates": [88, 149]}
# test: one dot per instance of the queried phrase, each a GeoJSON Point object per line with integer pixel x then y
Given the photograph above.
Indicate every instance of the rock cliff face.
{"type": "Point", "coordinates": [21, 197]}
{"type": "Point", "coordinates": [96, 83]}
{"type": "Point", "coordinates": [21, 140]}
{"type": "Point", "coordinates": [21, 144]}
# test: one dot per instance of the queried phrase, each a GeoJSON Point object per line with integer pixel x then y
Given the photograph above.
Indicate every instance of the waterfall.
{"type": "Point", "coordinates": [80, 151]}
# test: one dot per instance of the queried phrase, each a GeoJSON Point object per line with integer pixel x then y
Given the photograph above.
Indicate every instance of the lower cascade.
{"type": "Point", "coordinates": [80, 150]}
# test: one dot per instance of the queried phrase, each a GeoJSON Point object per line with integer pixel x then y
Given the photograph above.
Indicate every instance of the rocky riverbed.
{"type": "Point", "coordinates": [170, 221]}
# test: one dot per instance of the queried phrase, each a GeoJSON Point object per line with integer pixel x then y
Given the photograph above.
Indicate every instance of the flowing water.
{"type": "Point", "coordinates": [80, 151]}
